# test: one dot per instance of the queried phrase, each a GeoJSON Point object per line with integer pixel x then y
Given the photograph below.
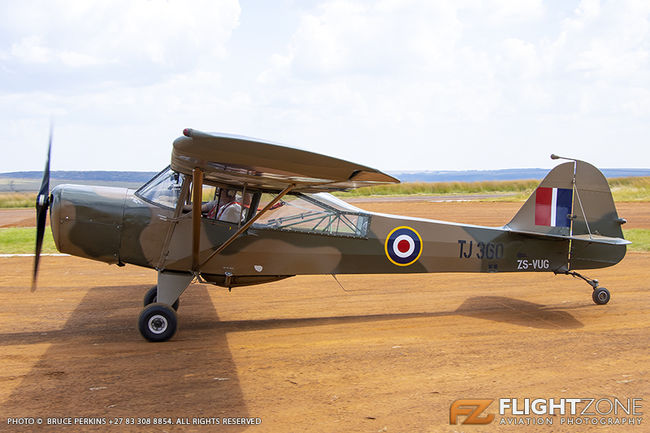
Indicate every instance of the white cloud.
{"type": "Point", "coordinates": [445, 69]}
{"type": "Point", "coordinates": [394, 84]}
{"type": "Point", "coordinates": [31, 49]}
{"type": "Point", "coordinates": [172, 33]}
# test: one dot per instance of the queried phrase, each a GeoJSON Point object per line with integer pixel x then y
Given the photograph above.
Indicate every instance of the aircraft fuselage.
{"type": "Point", "coordinates": [114, 225]}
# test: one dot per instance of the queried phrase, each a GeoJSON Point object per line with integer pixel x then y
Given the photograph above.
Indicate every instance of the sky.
{"type": "Point", "coordinates": [392, 84]}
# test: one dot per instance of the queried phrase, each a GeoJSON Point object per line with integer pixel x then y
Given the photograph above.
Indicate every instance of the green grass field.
{"type": "Point", "coordinates": [640, 239]}
{"type": "Point", "coordinates": [22, 240]}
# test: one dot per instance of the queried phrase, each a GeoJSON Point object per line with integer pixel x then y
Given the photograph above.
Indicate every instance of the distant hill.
{"type": "Point", "coordinates": [29, 181]}
{"type": "Point", "coordinates": [25, 181]}
{"type": "Point", "coordinates": [506, 174]}
{"type": "Point", "coordinates": [104, 176]}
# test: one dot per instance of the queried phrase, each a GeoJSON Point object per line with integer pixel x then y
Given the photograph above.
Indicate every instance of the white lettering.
{"type": "Point", "coordinates": [635, 407]}
{"type": "Point", "coordinates": [535, 406]}
{"type": "Point", "coordinates": [584, 411]}
{"type": "Point", "coordinates": [573, 402]}
{"type": "Point", "coordinates": [611, 406]}
{"type": "Point", "coordinates": [552, 406]}
{"type": "Point", "coordinates": [504, 403]}
{"type": "Point", "coordinates": [514, 408]}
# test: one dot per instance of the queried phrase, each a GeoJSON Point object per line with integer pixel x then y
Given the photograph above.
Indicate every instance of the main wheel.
{"type": "Point", "coordinates": [600, 296]}
{"type": "Point", "coordinates": [157, 322]}
{"type": "Point", "coordinates": [152, 296]}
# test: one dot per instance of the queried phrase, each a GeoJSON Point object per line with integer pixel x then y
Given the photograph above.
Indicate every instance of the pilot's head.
{"type": "Point", "coordinates": [228, 195]}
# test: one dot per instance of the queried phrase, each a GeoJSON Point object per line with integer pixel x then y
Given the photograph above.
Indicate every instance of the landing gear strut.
{"type": "Point", "coordinates": [152, 296]}
{"type": "Point", "coordinates": [600, 295]}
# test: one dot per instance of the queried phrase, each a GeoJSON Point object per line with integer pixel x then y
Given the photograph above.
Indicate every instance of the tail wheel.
{"type": "Point", "coordinates": [157, 322]}
{"type": "Point", "coordinates": [600, 296]}
{"type": "Point", "coordinates": [152, 296]}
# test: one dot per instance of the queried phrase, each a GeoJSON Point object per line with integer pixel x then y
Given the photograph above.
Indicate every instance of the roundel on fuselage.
{"type": "Point", "coordinates": [403, 246]}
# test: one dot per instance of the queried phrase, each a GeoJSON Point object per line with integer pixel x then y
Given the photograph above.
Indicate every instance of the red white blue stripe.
{"type": "Point", "coordinates": [553, 207]}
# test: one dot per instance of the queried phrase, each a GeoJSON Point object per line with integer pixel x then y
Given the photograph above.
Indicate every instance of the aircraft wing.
{"type": "Point", "coordinates": [236, 160]}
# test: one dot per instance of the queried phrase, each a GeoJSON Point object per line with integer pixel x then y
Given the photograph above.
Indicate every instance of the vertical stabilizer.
{"type": "Point", "coordinates": [573, 199]}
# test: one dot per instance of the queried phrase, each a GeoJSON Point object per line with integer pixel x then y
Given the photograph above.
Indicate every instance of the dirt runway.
{"type": "Point", "coordinates": [383, 353]}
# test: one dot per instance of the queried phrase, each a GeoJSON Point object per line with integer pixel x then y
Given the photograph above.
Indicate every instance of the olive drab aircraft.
{"type": "Point", "coordinates": [234, 211]}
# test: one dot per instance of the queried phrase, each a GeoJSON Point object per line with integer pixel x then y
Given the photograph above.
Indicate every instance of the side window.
{"type": "Point", "coordinates": [313, 213]}
{"type": "Point", "coordinates": [225, 204]}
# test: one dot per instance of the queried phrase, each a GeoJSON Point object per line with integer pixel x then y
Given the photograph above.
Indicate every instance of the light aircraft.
{"type": "Point", "coordinates": [235, 211]}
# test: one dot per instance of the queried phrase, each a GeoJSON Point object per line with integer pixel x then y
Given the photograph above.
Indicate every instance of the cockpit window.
{"type": "Point", "coordinates": [314, 213]}
{"type": "Point", "coordinates": [164, 189]}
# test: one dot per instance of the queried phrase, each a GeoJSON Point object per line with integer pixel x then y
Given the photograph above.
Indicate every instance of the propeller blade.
{"type": "Point", "coordinates": [42, 204]}
{"type": "Point", "coordinates": [41, 218]}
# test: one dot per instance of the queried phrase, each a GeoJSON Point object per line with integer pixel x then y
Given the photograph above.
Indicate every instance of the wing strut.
{"type": "Point", "coordinates": [197, 198]}
{"type": "Point", "coordinates": [250, 222]}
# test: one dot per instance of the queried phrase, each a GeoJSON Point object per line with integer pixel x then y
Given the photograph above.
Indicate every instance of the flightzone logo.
{"type": "Point", "coordinates": [541, 411]}
{"type": "Point", "coordinates": [471, 410]}
{"type": "Point", "coordinates": [403, 246]}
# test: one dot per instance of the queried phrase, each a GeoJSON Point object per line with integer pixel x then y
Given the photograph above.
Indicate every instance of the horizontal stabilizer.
{"type": "Point", "coordinates": [584, 238]}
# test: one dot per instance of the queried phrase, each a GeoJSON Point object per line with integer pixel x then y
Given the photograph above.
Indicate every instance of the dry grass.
{"type": "Point", "coordinates": [623, 189]}
{"type": "Point", "coordinates": [630, 188]}
{"type": "Point", "coordinates": [445, 188]}
{"type": "Point", "coordinates": [17, 199]}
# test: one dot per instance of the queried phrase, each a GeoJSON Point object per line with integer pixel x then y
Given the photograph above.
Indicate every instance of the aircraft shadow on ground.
{"type": "Point", "coordinates": [517, 312]}
{"type": "Point", "coordinates": [98, 365]}
{"type": "Point", "coordinates": [495, 308]}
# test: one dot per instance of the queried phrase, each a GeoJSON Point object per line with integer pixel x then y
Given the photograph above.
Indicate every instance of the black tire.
{"type": "Point", "coordinates": [600, 296]}
{"type": "Point", "coordinates": [157, 322]}
{"type": "Point", "coordinates": [152, 296]}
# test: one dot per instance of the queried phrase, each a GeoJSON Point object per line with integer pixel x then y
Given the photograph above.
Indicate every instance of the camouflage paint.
{"type": "Point", "coordinates": [87, 221]}
{"type": "Point", "coordinates": [116, 226]}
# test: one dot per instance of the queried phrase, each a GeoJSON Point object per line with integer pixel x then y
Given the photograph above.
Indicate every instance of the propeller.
{"type": "Point", "coordinates": [42, 204]}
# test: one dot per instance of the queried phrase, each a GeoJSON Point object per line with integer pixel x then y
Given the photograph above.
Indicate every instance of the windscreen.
{"type": "Point", "coordinates": [164, 189]}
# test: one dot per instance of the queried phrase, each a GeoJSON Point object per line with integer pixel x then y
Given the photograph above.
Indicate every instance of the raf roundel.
{"type": "Point", "coordinates": [403, 246]}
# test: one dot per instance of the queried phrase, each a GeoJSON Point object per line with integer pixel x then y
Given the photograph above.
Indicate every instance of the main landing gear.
{"type": "Point", "coordinates": [600, 295]}
{"type": "Point", "coordinates": [157, 322]}
{"type": "Point", "coordinates": [158, 319]}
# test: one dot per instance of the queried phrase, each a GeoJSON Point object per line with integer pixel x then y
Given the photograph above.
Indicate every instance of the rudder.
{"type": "Point", "coordinates": [562, 206]}
{"type": "Point", "coordinates": [574, 200]}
